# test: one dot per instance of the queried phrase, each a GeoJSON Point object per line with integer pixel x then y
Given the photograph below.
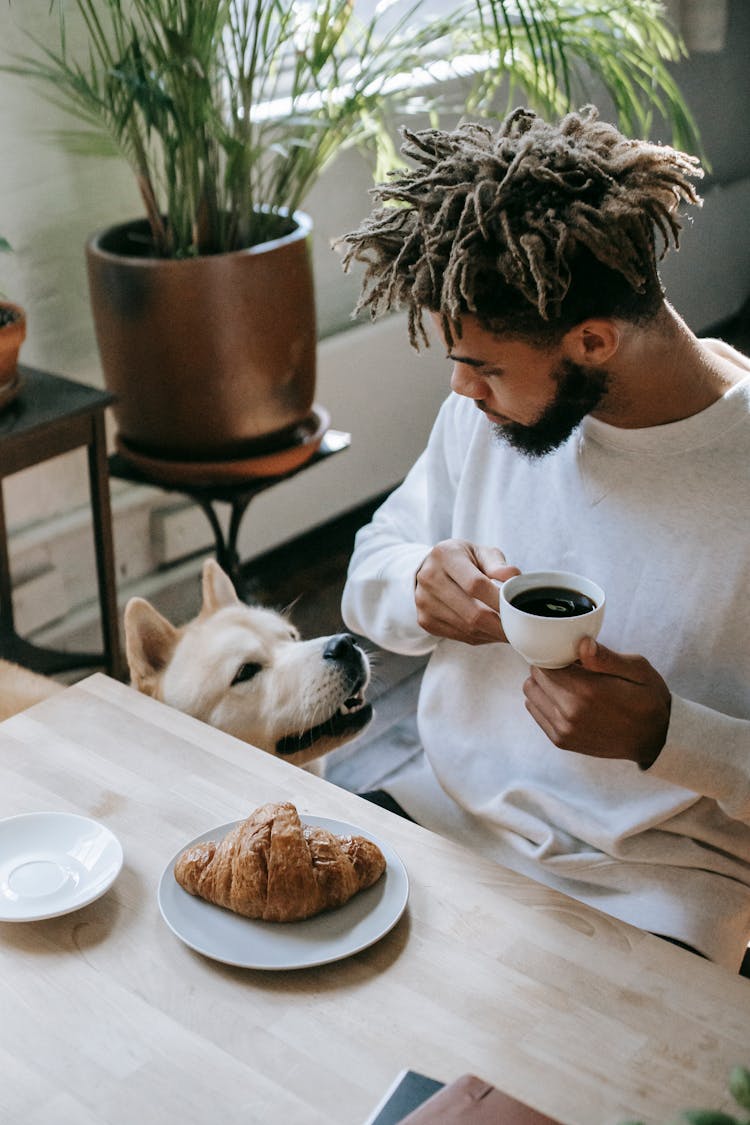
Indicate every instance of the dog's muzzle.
{"type": "Point", "coordinates": [345, 653]}
{"type": "Point", "coordinates": [353, 714]}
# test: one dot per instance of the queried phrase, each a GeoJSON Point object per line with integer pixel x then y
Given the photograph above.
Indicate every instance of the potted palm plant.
{"type": "Point", "coordinates": [227, 112]}
{"type": "Point", "coordinates": [12, 335]}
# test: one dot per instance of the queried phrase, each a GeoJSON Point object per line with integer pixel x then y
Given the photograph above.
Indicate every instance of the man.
{"type": "Point", "coordinates": [589, 431]}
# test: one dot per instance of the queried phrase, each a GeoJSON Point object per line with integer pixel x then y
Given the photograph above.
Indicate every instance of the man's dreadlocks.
{"type": "Point", "coordinates": [532, 227]}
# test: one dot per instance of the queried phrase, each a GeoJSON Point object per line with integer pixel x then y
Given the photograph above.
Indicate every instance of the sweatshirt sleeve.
{"type": "Point", "coordinates": [708, 753]}
{"type": "Point", "coordinates": [378, 599]}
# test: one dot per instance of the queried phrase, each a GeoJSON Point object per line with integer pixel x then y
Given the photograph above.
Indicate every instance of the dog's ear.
{"type": "Point", "coordinates": [149, 643]}
{"type": "Point", "coordinates": [218, 590]}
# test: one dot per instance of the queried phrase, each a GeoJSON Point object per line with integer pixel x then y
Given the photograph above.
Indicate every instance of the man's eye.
{"type": "Point", "coordinates": [246, 672]}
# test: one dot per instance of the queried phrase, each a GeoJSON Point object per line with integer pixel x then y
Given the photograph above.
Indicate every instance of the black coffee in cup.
{"type": "Point", "coordinates": [553, 601]}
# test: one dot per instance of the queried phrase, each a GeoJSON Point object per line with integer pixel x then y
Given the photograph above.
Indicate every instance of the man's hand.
{"type": "Point", "coordinates": [608, 705]}
{"type": "Point", "coordinates": [455, 596]}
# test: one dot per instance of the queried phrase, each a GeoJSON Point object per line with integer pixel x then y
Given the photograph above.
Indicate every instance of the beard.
{"type": "Point", "coordinates": [579, 391]}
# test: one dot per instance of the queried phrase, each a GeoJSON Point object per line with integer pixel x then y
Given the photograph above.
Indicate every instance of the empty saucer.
{"type": "Point", "coordinates": [52, 863]}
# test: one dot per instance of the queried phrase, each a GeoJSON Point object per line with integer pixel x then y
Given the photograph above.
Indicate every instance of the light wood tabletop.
{"type": "Point", "coordinates": [107, 1017]}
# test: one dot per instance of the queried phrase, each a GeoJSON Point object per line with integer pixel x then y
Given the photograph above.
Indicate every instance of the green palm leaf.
{"type": "Point", "coordinates": [221, 106]}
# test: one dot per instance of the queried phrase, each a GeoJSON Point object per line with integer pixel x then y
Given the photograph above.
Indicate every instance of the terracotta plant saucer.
{"type": "Point", "coordinates": [310, 434]}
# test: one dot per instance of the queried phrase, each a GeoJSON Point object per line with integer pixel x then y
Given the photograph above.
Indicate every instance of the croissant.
{"type": "Point", "coordinates": [273, 867]}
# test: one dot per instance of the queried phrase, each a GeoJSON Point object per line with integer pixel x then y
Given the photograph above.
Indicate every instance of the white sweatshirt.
{"type": "Point", "coordinates": [659, 517]}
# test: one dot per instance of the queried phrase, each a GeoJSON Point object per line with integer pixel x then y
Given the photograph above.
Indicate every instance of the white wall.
{"type": "Point", "coordinates": [369, 380]}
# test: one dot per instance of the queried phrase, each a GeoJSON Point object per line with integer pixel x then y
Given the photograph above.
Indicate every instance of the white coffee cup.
{"type": "Point", "coordinates": [549, 641]}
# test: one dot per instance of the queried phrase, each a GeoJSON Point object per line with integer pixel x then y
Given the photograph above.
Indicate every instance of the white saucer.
{"type": "Point", "coordinates": [252, 944]}
{"type": "Point", "coordinates": [52, 863]}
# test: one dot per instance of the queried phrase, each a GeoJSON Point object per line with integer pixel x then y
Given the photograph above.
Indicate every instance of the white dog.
{"type": "Point", "coordinates": [237, 667]}
{"type": "Point", "coordinates": [245, 670]}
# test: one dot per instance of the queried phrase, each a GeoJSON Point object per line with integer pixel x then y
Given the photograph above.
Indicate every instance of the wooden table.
{"type": "Point", "coordinates": [108, 1018]}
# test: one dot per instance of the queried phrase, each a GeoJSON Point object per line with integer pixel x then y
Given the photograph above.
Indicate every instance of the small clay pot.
{"type": "Point", "coordinates": [12, 335]}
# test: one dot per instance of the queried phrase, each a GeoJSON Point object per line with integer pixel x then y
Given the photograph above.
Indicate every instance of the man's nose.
{"type": "Point", "coordinates": [465, 381]}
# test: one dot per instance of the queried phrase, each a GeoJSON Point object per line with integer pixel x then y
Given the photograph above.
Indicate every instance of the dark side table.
{"type": "Point", "coordinates": [237, 495]}
{"type": "Point", "coordinates": [50, 416]}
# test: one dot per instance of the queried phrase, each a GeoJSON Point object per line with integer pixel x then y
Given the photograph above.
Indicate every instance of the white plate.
{"type": "Point", "coordinates": [52, 863]}
{"type": "Point", "coordinates": [250, 944]}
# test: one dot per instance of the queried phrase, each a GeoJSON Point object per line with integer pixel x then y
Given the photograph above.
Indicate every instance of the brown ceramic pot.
{"type": "Point", "coordinates": [12, 335]}
{"type": "Point", "coordinates": [210, 357]}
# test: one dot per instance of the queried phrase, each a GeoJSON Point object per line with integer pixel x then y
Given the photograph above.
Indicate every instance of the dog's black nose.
{"type": "Point", "coordinates": [342, 647]}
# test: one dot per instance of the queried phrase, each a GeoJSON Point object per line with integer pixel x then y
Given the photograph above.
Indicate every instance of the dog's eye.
{"type": "Point", "coordinates": [246, 672]}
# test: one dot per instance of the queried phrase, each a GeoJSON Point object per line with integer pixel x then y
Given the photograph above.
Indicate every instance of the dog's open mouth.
{"type": "Point", "coordinates": [353, 714]}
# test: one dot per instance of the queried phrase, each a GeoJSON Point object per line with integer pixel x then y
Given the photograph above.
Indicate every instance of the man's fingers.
{"type": "Point", "coordinates": [455, 596]}
{"type": "Point", "coordinates": [489, 560]}
{"type": "Point", "coordinates": [492, 563]}
{"type": "Point", "coordinates": [456, 631]}
{"type": "Point", "coordinates": [539, 704]}
{"type": "Point", "coordinates": [608, 705]}
{"type": "Point", "coordinates": [472, 623]}
{"type": "Point", "coordinates": [596, 657]}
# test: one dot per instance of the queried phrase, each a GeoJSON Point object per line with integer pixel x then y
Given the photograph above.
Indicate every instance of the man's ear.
{"type": "Point", "coordinates": [217, 587]}
{"type": "Point", "coordinates": [593, 342]}
{"type": "Point", "coordinates": [150, 641]}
